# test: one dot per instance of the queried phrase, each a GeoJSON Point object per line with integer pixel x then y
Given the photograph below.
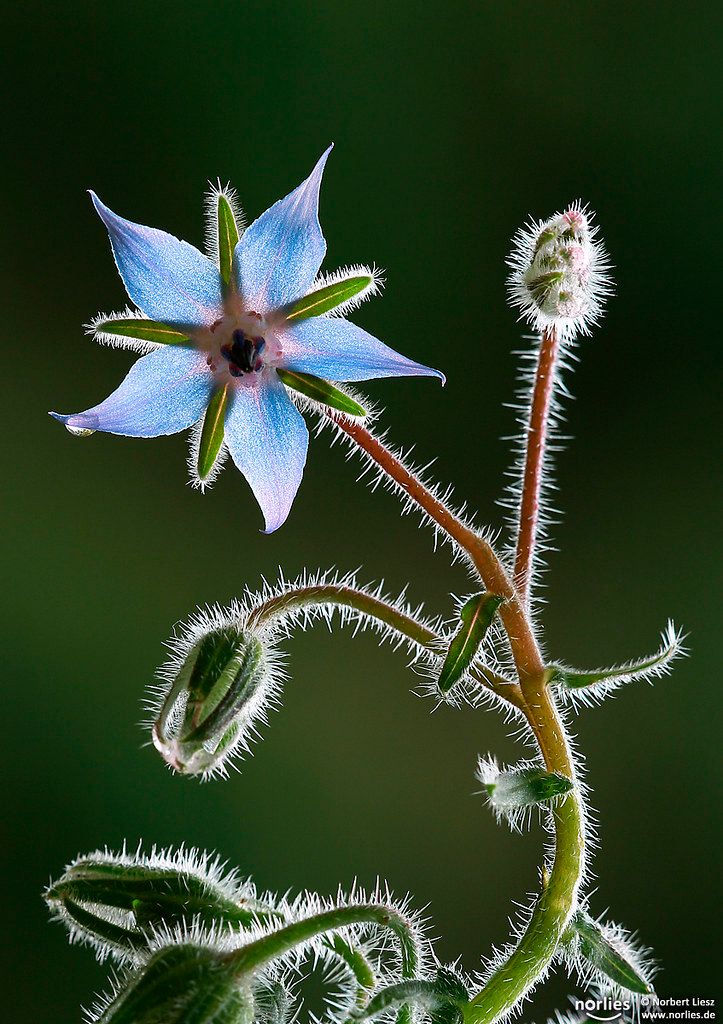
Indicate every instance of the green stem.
{"type": "Point", "coordinates": [558, 900]}
{"type": "Point", "coordinates": [404, 625]}
{"type": "Point", "coordinates": [536, 948]}
{"type": "Point", "coordinates": [249, 958]}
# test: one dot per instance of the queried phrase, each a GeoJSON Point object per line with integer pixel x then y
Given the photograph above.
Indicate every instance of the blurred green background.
{"type": "Point", "coordinates": [452, 122]}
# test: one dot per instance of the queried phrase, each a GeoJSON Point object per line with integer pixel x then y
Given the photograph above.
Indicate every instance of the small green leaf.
{"type": "Point", "coordinates": [321, 391]}
{"type": "Point", "coordinates": [476, 618]}
{"type": "Point", "coordinates": [212, 433]}
{"type": "Point", "coordinates": [142, 330]}
{"type": "Point", "coordinates": [327, 298]}
{"type": "Point", "coordinates": [657, 664]}
{"type": "Point", "coordinates": [228, 236]}
{"type": "Point", "coordinates": [600, 953]}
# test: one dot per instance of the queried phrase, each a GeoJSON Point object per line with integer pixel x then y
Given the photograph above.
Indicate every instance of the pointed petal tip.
{"type": "Point", "coordinates": [272, 528]}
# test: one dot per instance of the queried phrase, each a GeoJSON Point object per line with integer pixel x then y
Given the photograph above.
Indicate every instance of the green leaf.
{"type": "Point", "coordinates": [327, 298]}
{"type": "Point", "coordinates": [321, 391]}
{"type": "Point", "coordinates": [142, 330]}
{"type": "Point", "coordinates": [212, 433]}
{"type": "Point", "coordinates": [476, 618]}
{"type": "Point", "coordinates": [656, 664]}
{"type": "Point", "coordinates": [600, 953]}
{"type": "Point", "coordinates": [228, 236]}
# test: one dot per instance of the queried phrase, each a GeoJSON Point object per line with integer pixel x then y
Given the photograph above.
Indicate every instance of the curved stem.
{"type": "Point", "coordinates": [319, 595]}
{"type": "Point", "coordinates": [534, 952]}
{"type": "Point", "coordinates": [538, 944]}
{"type": "Point", "coordinates": [278, 943]}
{"type": "Point", "coordinates": [525, 651]}
{"type": "Point", "coordinates": [533, 471]}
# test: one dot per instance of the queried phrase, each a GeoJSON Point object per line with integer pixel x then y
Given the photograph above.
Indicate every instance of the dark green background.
{"type": "Point", "coordinates": [452, 122]}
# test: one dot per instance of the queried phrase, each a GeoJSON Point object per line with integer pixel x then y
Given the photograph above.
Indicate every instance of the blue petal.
{"type": "Point", "coordinates": [268, 439]}
{"type": "Point", "coordinates": [165, 391]}
{"type": "Point", "coordinates": [336, 349]}
{"type": "Point", "coordinates": [168, 279]}
{"type": "Point", "coordinates": [279, 255]}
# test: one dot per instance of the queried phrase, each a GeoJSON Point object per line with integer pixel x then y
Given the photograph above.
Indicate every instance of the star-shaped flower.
{"type": "Point", "coordinates": [226, 338]}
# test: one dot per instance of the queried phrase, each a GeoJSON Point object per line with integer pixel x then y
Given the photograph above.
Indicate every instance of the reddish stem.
{"type": "Point", "coordinates": [526, 653]}
{"type": "Point", "coordinates": [536, 442]}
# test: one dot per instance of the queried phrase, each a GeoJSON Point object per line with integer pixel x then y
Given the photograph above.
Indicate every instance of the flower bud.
{"type": "Point", "coordinates": [512, 792]}
{"type": "Point", "coordinates": [115, 902]}
{"type": "Point", "coordinates": [178, 984]}
{"type": "Point", "coordinates": [560, 273]}
{"type": "Point", "coordinates": [218, 684]}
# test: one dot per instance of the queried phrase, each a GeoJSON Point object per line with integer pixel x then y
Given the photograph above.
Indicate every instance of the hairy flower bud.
{"type": "Point", "coordinates": [218, 685]}
{"type": "Point", "coordinates": [560, 273]}
{"type": "Point", "coordinates": [512, 792]}
{"type": "Point", "coordinates": [180, 983]}
{"type": "Point", "coordinates": [115, 902]}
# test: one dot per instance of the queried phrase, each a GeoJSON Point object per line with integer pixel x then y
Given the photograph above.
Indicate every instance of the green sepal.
{"type": "Point", "coordinates": [212, 432]}
{"type": "Point", "coordinates": [323, 300]}
{"type": "Point", "coordinates": [601, 954]}
{"type": "Point", "coordinates": [142, 330]}
{"type": "Point", "coordinates": [228, 236]}
{"type": "Point", "coordinates": [320, 391]}
{"type": "Point", "coordinates": [182, 984]}
{"type": "Point", "coordinates": [525, 787]}
{"type": "Point", "coordinates": [476, 618]}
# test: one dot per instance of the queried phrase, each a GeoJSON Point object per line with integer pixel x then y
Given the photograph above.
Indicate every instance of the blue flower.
{"type": "Point", "coordinates": [220, 334]}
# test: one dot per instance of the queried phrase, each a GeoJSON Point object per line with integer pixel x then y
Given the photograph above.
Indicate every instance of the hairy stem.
{"type": "Point", "coordinates": [319, 595]}
{"type": "Point", "coordinates": [536, 948]}
{"type": "Point", "coordinates": [284, 940]}
{"type": "Point", "coordinates": [525, 651]}
{"type": "Point", "coordinates": [532, 474]}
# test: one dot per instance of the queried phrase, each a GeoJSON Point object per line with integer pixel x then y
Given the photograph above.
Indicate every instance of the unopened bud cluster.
{"type": "Point", "coordinates": [560, 273]}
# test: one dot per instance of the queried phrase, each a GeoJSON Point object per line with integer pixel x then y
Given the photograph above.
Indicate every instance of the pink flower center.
{"type": "Point", "coordinates": [240, 346]}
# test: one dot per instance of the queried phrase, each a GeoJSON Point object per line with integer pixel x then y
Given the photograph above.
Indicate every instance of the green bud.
{"type": "Point", "coordinates": [217, 687]}
{"type": "Point", "coordinates": [513, 791]}
{"type": "Point", "coordinates": [114, 902]}
{"type": "Point", "coordinates": [182, 984]}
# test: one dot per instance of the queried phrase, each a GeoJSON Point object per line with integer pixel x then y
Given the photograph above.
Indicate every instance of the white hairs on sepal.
{"type": "Point", "coordinates": [210, 204]}
{"type": "Point", "coordinates": [376, 283]}
{"type": "Point", "coordinates": [100, 328]}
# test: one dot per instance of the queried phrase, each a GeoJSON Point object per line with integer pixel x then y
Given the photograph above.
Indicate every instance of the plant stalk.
{"type": "Point", "coordinates": [533, 471]}
{"type": "Point", "coordinates": [534, 952]}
